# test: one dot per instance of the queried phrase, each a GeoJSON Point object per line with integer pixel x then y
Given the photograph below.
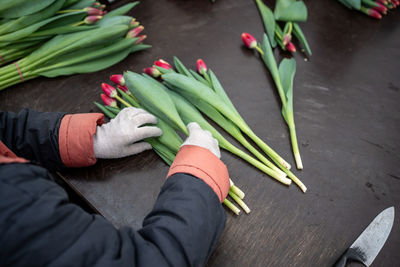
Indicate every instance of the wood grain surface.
{"type": "Point", "coordinates": [347, 114]}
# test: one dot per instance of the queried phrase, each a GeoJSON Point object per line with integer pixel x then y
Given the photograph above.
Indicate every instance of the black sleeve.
{"type": "Point", "coordinates": [33, 135]}
{"type": "Point", "coordinates": [40, 227]}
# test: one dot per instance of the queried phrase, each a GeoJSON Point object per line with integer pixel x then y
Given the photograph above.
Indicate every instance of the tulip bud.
{"type": "Point", "coordinates": [134, 32]}
{"type": "Point", "coordinates": [373, 13]}
{"type": "Point", "coordinates": [201, 66]}
{"type": "Point", "coordinates": [96, 4]}
{"type": "Point", "coordinates": [290, 47]}
{"type": "Point", "coordinates": [135, 24]}
{"type": "Point", "coordinates": [249, 40]}
{"type": "Point", "coordinates": [141, 38]}
{"type": "Point", "coordinates": [163, 64]}
{"type": "Point", "coordinates": [286, 39]}
{"type": "Point", "coordinates": [92, 19]}
{"type": "Point", "coordinates": [381, 8]}
{"type": "Point", "coordinates": [152, 71]}
{"type": "Point", "coordinates": [124, 88]}
{"type": "Point", "coordinates": [91, 11]}
{"type": "Point", "coordinates": [109, 101]}
{"type": "Point", "coordinates": [118, 79]}
{"type": "Point", "coordinates": [109, 90]}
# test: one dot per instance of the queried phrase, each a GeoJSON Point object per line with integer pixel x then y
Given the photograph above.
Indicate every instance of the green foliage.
{"type": "Point", "coordinates": [290, 10]}
{"type": "Point", "coordinates": [269, 21]}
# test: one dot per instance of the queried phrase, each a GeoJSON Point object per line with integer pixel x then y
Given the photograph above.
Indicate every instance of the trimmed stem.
{"type": "Point", "coordinates": [295, 146]}
{"type": "Point", "coordinates": [239, 201]}
{"type": "Point", "coordinates": [237, 191]}
{"type": "Point", "coordinates": [230, 206]}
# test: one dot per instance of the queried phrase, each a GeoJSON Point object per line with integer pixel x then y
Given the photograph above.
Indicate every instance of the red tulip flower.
{"type": "Point", "coordinates": [118, 79]}
{"type": "Point", "coordinates": [125, 89]}
{"type": "Point", "coordinates": [290, 47]}
{"type": "Point", "coordinates": [286, 39]}
{"type": "Point", "coordinates": [141, 38]}
{"type": "Point", "coordinates": [152, 71]}
{"type": "Point", "coordinates": [91, 11]}
{"type": "Point", "coordinates": [163, 64]}
{"type": "Point", "coordinates": [108, 101]}
{"type": "Point", "coordinates": [109, 90]}
{"type": "Point", "coordinates": [134, 32]}
{"type": "Point", "coordinates": [249, 40]}
{"type": "Point", "coordinates": [92, 19]}
{"type": "Point", "coordinates": [201, 66]}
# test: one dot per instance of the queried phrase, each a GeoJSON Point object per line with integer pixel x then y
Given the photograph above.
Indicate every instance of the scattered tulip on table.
{"type": "Point", "coordinates": [374, 9]}
{"type": "Point", "coordinates": [97, 47]}
{"type": "Point", "coordinates": [283, 78]}
{"type": "Point", "coordinates": [291, 12]}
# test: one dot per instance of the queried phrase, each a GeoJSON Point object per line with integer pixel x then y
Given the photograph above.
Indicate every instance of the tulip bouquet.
{"type": "Point", "coordinates": [106, 43]}
{"type": "Point", "coordinates": [290, 12]}
{"type": "Point", "coordinates": [178, 100]}
{"type": "Point", "coordinates": [167, 145]}
{"type": "Point", "coordinates": [374, 9]}
{"type": "Point", "coordinates": [283, 78]}
{"type": "Point", "coordinates": [24, 27]}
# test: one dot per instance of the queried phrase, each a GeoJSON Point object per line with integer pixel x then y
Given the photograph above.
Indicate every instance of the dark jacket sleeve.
{"type": "Point", "coordinates": [33, 135]}
{"type": "Point", "coordinates": [39, 227]}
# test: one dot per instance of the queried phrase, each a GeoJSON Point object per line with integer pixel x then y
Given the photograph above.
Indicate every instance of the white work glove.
{"type": "Point", "coordinates": [118, 138]}
{"type": "Point", "coordinates": [202, 138]}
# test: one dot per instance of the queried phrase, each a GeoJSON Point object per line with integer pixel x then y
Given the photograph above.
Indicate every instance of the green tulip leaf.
{"type": "Point", "coordinates": [26, 8]}
{"type": "Point", "coordinates": [121, 10]}
{"type": "Point", "coordinates": [155, 99]}
{"type": "Point", "coordinates": [300, 36]}
{"type": "Point", "coordinates": [356, 4]}
{"type": "Point", "coordinates": [287, 70]}
{"type": "Point", "coordinates": [269, 21]}
{"type": "Point", "coordinates": [290, 10]}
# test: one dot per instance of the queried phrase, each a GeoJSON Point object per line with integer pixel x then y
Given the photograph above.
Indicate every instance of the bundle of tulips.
{"type": "Point", "coordinates": [371, 8]}
{"type": "Point", "coordinates": [56, 45]}
{"type": "Point", "coordinates": [179, 99]}
{"type": "Point", "coordinates": [289, 12]}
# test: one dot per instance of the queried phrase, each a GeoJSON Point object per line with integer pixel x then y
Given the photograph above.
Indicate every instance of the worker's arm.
{"type": "Point", "coordinates": [41, 228]}
{"type": "Point", "coordinates": [57, 140]}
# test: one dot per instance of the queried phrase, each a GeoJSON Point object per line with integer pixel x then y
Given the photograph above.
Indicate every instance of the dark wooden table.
{"type": "Point", "coordinates": [347, 115]}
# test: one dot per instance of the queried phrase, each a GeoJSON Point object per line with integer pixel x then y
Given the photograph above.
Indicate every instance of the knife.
{"type": "Point", "coordinates": [370, 242]}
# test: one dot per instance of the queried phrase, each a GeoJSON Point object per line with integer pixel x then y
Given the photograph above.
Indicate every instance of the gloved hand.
{"type": "Point", "coordinates": [202, 138]}
{"type": "Point", "coordinates": [117, 138]}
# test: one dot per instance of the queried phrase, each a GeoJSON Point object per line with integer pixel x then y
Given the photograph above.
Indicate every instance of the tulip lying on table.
{"type": "Point", "coordinates": [108, 42]}
{"type": "Point", "coordinates": [283, 78]}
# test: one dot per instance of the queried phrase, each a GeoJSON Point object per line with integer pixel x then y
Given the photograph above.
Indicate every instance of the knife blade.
{"type": "Point", "coordinates": [369, 243]}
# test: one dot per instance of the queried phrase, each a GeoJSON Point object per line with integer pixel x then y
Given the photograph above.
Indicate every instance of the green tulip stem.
{"type": "Point", "coordinates": [239, 201]}
{"type": "Point", "coordinates": [230, 206]}
{"type": "Point", "coordinates": [79, 23]}
{"type": "Point", "coordinates": [259, 50]}
{"type": "Point", "coordinates": [237, 191]}
{"type": "Point", "coordinates": [69, 11]}
{"type": "Point", "coordinates": [122, 101]}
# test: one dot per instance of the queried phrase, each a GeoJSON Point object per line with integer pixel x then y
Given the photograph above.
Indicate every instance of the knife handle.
{"type": "Point", "coordinates": [349, 255]}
